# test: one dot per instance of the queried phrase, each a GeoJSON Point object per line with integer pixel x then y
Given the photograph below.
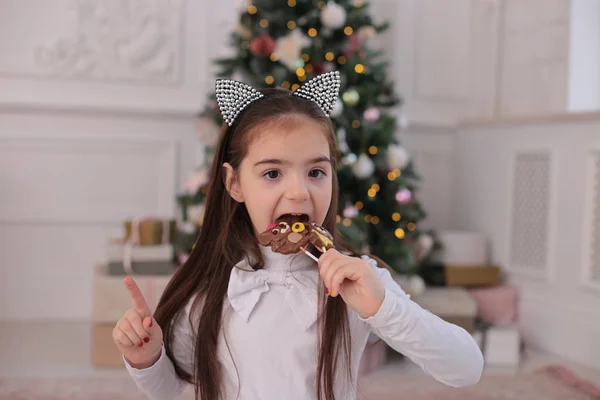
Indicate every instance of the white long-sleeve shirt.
{"type": "Point", "coordinates": [268, 344]}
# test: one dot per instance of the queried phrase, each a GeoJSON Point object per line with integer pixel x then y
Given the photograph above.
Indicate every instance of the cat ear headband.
{"type": "Point", "coordinates": [234, 96]}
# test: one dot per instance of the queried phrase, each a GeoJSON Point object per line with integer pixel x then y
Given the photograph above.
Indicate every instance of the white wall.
{"type": "Point", "coordinates": [532, 188]}
{"type": "Point", "coordinates": [97, 104]}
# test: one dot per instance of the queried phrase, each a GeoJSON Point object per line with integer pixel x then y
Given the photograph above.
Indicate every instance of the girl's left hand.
{"type": "Point", "coordinates": [353, 279]}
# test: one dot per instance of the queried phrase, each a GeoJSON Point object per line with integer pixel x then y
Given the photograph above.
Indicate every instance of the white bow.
{"type": "Point", "coordinates": [246, 287]}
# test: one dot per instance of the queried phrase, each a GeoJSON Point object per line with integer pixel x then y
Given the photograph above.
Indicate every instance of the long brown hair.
{"type": "Point", "coordinates": [226, 237]}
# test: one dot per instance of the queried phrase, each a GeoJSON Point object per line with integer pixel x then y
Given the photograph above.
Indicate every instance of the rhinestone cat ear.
{"type": "Point", "coordinates": [233, 97]}
{"type": "Point", "coordinates": [323, 89]}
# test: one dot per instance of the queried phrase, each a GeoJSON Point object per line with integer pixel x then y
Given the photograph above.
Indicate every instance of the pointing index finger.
{"type": "Point", "coordinates": [137, 298]}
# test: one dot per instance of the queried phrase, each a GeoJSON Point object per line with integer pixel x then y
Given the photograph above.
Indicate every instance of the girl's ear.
{"type": "Point", "coordinates": [232, 183]}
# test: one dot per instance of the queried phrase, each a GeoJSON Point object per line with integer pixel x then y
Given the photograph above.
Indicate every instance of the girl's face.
{"type": "Point", "coordinates": [287, 170]}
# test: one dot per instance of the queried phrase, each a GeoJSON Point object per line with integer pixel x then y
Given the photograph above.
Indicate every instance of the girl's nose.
{"type": "Point", "coordinates": [297, 190]}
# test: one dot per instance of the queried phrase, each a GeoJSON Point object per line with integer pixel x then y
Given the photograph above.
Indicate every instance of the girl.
{"type": "Point", "coordinates": [242, 322]}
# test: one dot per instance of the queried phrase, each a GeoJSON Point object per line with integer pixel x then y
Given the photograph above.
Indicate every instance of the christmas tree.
{"type": "Point", "coordinates": [283, 44]}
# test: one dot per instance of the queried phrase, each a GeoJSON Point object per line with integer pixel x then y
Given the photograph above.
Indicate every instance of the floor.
{"type": "Point", "coordinates": [60, 349]}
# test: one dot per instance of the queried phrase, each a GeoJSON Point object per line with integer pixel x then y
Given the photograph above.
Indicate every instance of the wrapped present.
{"type": "Point", "coordinates": [463, 248]}
{"type": "Point", "coordinates": [502, 345]}
{"type": "Point", "coordinates": [110, 298]}
{"type": "Point", "coordinates": [105, 352]}
{"type": "Point", "coordinates": [453, 305]}
{"type": "Point", "coordinates": [438, 274]}
{"type": "Point", "coordinates": [496, 304]}
{"type": "Point", "coordinates": [149, 231]}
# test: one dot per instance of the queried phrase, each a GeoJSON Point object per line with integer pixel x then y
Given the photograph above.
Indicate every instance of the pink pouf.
{"type": "Point", "coordinates": [496, 304]}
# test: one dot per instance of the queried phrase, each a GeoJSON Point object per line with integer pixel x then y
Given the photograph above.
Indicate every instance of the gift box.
{"type": "Point", "coordinates": [463, 248]}
{"type": "Point", "coordinates": [149, 231]}
{"type": "Point", "coordinates": [461, 275]}
{"type": "Point", "coordinates": [105, 352]}
{"type": "Point", "coordinates": [111, 299]}
{"type": "Point", "coordinates": [454, 305]}
{"type": "Point", "coordinates": [497, 304]}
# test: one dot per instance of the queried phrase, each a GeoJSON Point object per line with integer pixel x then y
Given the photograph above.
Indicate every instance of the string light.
{"type": "Point", "coordinates": [359, 68]}
{"type": "Point", "coordinates": [375, 220]}
{"type": "Point", "coordinates": [373, 150]}
{"type": "Point", "coordinates": [285, 84]}
{"type": "Point", "coordinates": [302, 78]}
{"type": "Point", "coordinates": [342, 60]}
{"type": "Point", "coordinates": [348, 30]}
{"type": "Point", "coordinates": [397, 172]}
{"type": "Point", "coordinates": [347, 222]}
{"type": "Point", "coordinates": [312, 32]}
{"type": "Point", "coordinates": [291, 3]}
{"type": "Point", "coordinates": [295, 86]}
{"type": "Point", "coordinates": [368, 219]}
{"type": "Point", "coordinates": [264, 23]}
{"type": "Point", "coordinates": [338, 219]}
{"type": "Point", "coordinates": [399, 233]}
{"type": "Point", "coordinates": [321, 4]}
{"type": "Point", "coordinates": [252, 9]}
{"type": "Point", "coordinates": [273, 57]}
{"type": "Point", "coordinates": [308, 68]}
{"type": "Point", "coordinates": [375, 187]}
{"type": "Point", "coordinates": [358, 3]}
{"type": "Point", "coordinates": [300, 72]}
{"type": "Point", "coordinates": [305, 57]}
{"type": "Point", "coordinates": [291, 24]}
{"type": "Point", "coordinates": [396, 217]}
{"type": "Point", "coordinates": [391, 176]}
{"type": "Point", "coordinates": [359, 205]}
{"type": "Point", "coordinates": [329, 56]}
{"type": "Point", "coordinates": [269, 80]}
{"type": "Point", "coordinates": [411, 226]}
{"type": "Point", "coordinates": [372, 192]}
{"type": "Point", "coordinates": [356, 124]}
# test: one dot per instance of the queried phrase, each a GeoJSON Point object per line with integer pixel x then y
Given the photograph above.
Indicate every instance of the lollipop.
{"type": "Point", "coordinates": [290, 238]}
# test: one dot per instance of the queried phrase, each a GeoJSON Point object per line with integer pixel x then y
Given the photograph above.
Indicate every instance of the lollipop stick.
{"type": "Point", "coordinates": [309, 254]}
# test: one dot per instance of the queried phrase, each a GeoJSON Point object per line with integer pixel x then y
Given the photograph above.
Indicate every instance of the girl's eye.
{"type": "Point", "coordinates": [273, 174]}
{"type": "Point", "coordinates": [317, 173]}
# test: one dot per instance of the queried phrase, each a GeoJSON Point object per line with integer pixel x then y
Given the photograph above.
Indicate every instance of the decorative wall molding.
{"type": "Point", "coordinates": [121, 41]}
{"type": "Point", "coordinates": [60, 179]}
{"type": "Point", "coordinates": [530, 212]}
{"type": "Point", "coordinates": [590, 272]}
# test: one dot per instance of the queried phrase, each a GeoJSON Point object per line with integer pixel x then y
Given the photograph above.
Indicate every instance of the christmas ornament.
{"type": "Point", "coordinates": [195, 181]}
{"type": "Point", "coordinates": [416, 284]}
{"type": "Point", "coordinates": [426, 244]}
{"type": "Point", "coordinates": [289, 47]}
{"type": "Point", "coordinates": [351, 97]}
{"type": "Point", "coordinates": [350, 212]}
{"type": "Point", "coordinates": [397, 157]}
{"type": "Point", "coordinates": [262, 46]}
{"type": "Point", "coordinates": [349, 159]}
{"type": "Point", "coordinates": [403, 196]}
{"type": "Point", "coordinates": [333, 16]}
{"type": "Point", "coordinates": [364, 167]}
{"type": "Point", "coordinates": [365, 33]}
{"type": "Point", "coordinates": [371, 114]}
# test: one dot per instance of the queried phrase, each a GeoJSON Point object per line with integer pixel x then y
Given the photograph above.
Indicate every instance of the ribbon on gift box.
{"type": "Point", "coordinates": [134, 239]}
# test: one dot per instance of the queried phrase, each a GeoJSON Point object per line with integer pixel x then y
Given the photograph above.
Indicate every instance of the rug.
{"type": "Point", "coordinates": [549, 383]}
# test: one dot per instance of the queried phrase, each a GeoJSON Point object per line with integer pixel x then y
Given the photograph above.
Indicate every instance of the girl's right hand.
{"type": "Point", "coordinates": [137, 335]}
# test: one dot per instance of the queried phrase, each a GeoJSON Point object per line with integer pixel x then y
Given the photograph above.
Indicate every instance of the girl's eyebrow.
{"type": "Point", "coordinates": [285, 162]}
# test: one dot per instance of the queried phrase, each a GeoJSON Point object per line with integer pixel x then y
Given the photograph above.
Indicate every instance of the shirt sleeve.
{"type": "Point", "coordinates": [160, 382]}
{"type": "Point", "coordinates": [443, 350]}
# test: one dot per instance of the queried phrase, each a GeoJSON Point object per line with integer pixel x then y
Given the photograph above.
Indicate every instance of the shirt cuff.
{"type": "Point", "coordinates": [156, 365]}
{"type": "Point", "coordinates": [387, 308]}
